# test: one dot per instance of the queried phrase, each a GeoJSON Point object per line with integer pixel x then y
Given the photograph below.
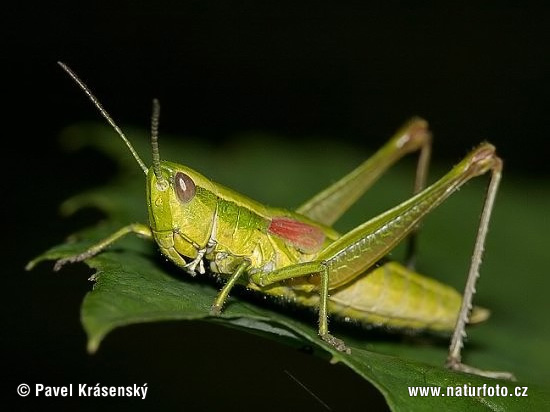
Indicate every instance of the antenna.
{"type": "Point", "coordinates": [161, 181]}
{"type": "Point", "coordinates": [104, 114]}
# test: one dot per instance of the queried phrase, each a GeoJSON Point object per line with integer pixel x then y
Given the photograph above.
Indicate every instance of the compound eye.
{"type": "Point", "coordinates": [184, 187]}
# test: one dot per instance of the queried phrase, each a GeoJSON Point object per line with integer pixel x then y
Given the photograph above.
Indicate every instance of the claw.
{"type": "Point", "coordinates": [338, 344]}
{"type": "Point", "coordinates": [461, 367]}
{"type": "Point", "coordinates": [73, 259]}
{"type": "Point", "coordinates": [59, 264]}
{"type": "Point", "coordinates": [215, 310]}
{"type": "Point", "coordinates": [62, 262]}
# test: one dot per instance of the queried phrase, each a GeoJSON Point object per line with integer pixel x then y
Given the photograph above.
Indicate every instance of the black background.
{"type": "Point", "coordinates": [299, 69]}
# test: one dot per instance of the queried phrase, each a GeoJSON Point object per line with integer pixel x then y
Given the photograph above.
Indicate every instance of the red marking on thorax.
{"type": "Point", "coordinates": [303, 236]}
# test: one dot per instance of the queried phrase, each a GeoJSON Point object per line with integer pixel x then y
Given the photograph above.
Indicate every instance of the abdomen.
{"type": "Point", "coordinates": [393, 296]}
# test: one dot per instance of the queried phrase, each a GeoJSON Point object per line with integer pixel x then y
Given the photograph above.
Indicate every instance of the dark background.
{"type": "Point", "coordinates": [301, 69]}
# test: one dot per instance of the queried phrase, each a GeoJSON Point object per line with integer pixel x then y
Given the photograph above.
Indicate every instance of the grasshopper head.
{"type": "Point", "coordinates": [182, 204]}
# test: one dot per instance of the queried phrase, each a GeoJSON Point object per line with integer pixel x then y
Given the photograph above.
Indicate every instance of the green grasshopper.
{"type": "Point", "coordinates": [200, 225]}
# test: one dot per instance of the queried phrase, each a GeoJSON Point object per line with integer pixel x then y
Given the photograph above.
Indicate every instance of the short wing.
{"type": "Point", "coordinates": [303, 236]}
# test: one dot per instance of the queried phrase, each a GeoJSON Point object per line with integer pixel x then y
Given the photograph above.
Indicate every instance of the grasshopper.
{"type": "Point", "coordinates": [203, 226]}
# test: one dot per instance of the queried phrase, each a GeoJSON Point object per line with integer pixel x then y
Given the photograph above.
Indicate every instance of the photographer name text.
{"type": "Point", "coordinates": [85, 390]}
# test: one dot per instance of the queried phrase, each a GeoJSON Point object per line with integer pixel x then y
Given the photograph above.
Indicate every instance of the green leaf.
{"type": "Point", "coordinates": [133, 285]}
